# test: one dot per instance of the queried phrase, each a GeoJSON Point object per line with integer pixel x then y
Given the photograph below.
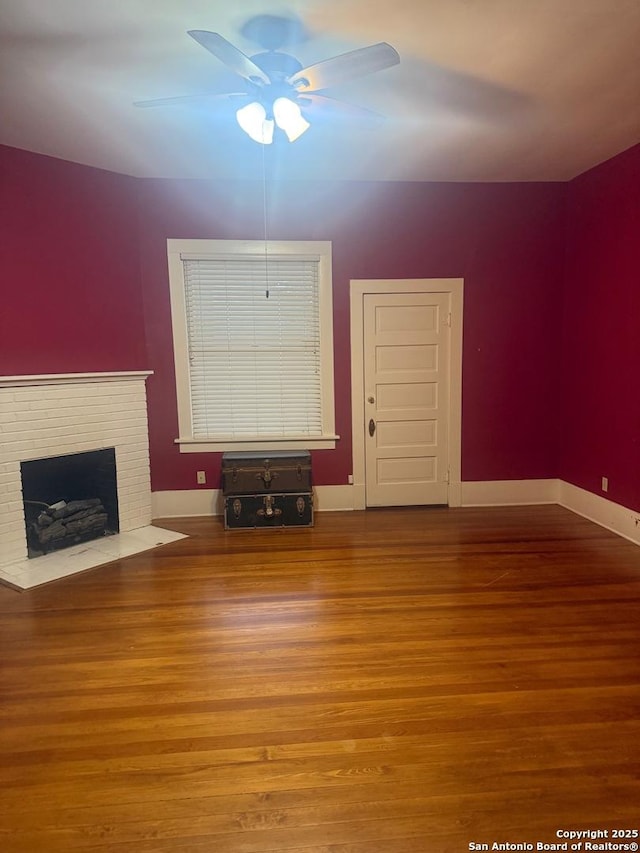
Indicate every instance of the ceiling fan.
{"type": "Point", "coordinates": [277, 91]}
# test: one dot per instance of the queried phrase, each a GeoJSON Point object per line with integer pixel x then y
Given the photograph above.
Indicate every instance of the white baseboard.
{"type": "Point", "coordinates": [178, 504]}
{"type": "Point", "coordinates": [192, 502]}
{"type": "Point", "coordinates": [619, 519]}
{"type": "Point", "coordinates": [614, 517]}
{"type": "Point", "coordinates": [333, 498]}
{"type": "Point", "coordinates": [509, 492]}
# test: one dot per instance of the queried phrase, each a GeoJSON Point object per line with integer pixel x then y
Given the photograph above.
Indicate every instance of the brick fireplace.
{"type": "Point", "coordinates": [53, 415]}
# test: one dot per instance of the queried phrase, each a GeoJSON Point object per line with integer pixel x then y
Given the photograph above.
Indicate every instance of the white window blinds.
{"type": "Point", "coordinates": [254, 346]}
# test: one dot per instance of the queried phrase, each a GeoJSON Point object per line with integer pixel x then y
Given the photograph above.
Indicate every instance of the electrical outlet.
{"type": "Point", "coordinates": [201, 477]}
{"type": "Point", "coordinates": [605, 484]}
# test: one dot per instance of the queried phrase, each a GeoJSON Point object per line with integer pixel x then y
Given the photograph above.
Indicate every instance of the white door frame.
{"type": "Point", "coordinates": [358, 289]}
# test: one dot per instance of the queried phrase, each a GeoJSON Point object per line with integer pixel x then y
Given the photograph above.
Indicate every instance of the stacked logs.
{"type": "Point", "coordinates": [65, 523]}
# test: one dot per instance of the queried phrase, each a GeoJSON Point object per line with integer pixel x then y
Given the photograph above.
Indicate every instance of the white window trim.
{"type": "Point", "coordinates": [176, 250]}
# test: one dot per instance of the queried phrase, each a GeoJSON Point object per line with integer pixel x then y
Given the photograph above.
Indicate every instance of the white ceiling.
{"type": "Point", "coordinates": [542, 89]}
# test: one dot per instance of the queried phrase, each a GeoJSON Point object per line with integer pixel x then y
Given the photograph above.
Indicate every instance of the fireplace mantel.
{"type": "Point", "coordinates": [67, 378]}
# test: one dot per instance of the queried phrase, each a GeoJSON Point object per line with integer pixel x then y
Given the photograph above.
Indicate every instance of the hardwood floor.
{"type": "Point", "coordinates": [396, 680]}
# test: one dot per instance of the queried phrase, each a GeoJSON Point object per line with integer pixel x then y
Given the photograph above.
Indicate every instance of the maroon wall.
{"type": "Point", "coordinates": [85, 288]}
{"type": "Point", "coordinates": [70, 286]}
{"type": "Point", "coordinates": [505, 240]}
{"type": "Point", "coordinates": [601, 346]}
{"type": "Point", "coordinates": [84, 278]}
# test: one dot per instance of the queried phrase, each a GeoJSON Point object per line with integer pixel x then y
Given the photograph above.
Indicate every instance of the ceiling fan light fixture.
{"type": "Point", "coordinates": [289, 118]}
{"type": "Point", "coordinates": [252, 118]}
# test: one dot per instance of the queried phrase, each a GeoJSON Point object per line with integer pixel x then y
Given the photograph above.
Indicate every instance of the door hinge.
{"type": "Point", "coordinates": [448, 476]}
{"type": "Point", "coordinates": [449, 319]}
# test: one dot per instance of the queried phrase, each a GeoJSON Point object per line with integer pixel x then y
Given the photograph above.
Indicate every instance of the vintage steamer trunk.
{"type": "Point", "coordinates": [267, 490]}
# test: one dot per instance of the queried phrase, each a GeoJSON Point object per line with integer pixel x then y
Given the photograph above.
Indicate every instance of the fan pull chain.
{"type": "Point", "coordinates": [264, 217]}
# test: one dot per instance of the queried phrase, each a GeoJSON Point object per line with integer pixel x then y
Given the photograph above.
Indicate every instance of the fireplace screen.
{"type": "Point", "coordinates": [69, 499]}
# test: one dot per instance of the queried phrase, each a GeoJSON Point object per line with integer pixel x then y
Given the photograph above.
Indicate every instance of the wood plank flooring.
{"type": "Point", "coordinates": [404, 680]}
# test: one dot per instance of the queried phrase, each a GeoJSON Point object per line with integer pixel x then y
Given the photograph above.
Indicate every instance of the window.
{"type": "Point", "coordinates": [253, 343]}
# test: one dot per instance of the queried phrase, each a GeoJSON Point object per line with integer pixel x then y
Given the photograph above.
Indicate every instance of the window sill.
{"type": "Point", "coordinates": [210, 445]}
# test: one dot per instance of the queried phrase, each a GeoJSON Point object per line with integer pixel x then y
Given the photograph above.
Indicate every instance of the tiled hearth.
{"type": "Point", "coordinates": [52, 415]}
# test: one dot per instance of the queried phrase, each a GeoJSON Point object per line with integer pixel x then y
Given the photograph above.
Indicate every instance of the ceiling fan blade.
{"type": "Point", "coordinates": [345, 67]}
{"type": "Point", "coordinates": [323, 106]}
{"type": "Point", "coordinates": [189, 99]}
{"type": "Point", "coordinates": [227, 53]}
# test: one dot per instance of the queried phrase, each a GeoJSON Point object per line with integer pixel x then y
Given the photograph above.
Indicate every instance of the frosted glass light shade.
{"type": "Point", "coordinates": [289, 118]}
{"type": "Point", "coordinates": [253, 120]}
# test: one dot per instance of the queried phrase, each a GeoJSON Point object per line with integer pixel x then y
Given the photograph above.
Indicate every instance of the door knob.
{"type": "Point", "coordinates": [372, 426]}
{"type": "Point", "coordinates": [370, 399]}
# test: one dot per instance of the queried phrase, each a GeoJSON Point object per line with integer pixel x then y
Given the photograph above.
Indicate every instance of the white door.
{"type": "Point", "coordinates": [406, 387]}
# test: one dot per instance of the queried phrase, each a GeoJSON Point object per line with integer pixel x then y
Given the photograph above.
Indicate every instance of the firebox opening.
{"type": "Point", "coordinates": [69, 499]}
